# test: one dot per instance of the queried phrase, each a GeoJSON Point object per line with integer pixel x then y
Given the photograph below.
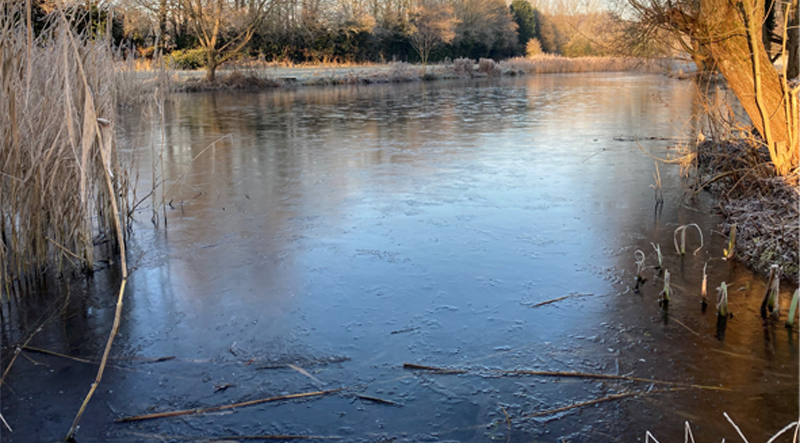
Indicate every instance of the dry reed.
{"type": "Point", "coordinates": [58, 101]}
{"type": "Point", "coordinates": [556, 64]}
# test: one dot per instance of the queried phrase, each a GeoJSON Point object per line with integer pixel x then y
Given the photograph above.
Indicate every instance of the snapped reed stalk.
{"type": "Point", "coordinates": [728, 253]}
{"type": "Point", "coordinates": [682, 231]}
{"type": "Point", "coordinates": [793, 309]}
{"type": "Point", "coordinates": [657, 248]}
{"type": "Point", "coordinates": [704, 287]}
{"type": "Point", "coordinates": [640, 257]}
{"type": "Point", "coordinates": [101, 133]}
{"type": "Point", "coordinates": [659, 191]}
{"type": "Point", "coordinates": [722, 300]}
{"type": "Point", "coordinates": [771, 302]}
{"type": "Point", "coordinates": [666, 292]}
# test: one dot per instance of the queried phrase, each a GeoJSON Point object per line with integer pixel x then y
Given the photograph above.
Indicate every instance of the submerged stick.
{"type": "Point", "coordinates": [434, 369]}
{"type": "Point", "coordinates": [225, 407]}
{"type": "Point", "coordinates": [56, 354]}
{"type": "Point", "coordinates": [378, 400]}
{"type": "Point", "coordinates": [559, 299]}
{"type": "Point", "coordinates": [567, 374]}
{"type": "Point", "coordinates": [304, 372]}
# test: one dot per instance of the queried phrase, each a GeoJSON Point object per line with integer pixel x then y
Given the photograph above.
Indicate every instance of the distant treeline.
{"type": "Point", "coordinates": [343, 31]}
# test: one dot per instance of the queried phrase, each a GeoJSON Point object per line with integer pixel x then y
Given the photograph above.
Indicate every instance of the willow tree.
{"type": "Point", "coordinates": [224, 27]}
{"type": "Point", "coordinates": [727, 35]}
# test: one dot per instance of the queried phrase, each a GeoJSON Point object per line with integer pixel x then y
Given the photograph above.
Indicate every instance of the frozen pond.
{"type": "Point", "coordinates": [335, 234]}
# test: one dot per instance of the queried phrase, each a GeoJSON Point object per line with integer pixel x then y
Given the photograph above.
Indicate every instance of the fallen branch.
{"type": "Point", "coordinates": [600, 400]}
{"type": "Point", "coordinates": [226, 407]}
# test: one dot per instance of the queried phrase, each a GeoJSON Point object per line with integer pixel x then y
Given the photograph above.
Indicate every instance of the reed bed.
{"type": "Point", "coordinates": [556, 64]}
{"type": "Point", "coordinates": [58, 154]}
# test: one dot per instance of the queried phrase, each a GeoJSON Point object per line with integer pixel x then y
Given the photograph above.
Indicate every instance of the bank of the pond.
{"type": "Point", "coordinates": [764, 208]}
{"type": "Point", "coordinates": [266, 76]}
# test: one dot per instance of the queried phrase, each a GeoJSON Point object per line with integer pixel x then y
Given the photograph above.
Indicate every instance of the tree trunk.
{"type": "Point", "coordinates": [723, 30]}
{"type": "Point", "coordinates": [162, 24]}
{"type": "Point", "coordinates": [702, 59]}
{"type": "Point", "coordinates": [793, 43]}
{"type": "Point", "coordinates": [212, 61]}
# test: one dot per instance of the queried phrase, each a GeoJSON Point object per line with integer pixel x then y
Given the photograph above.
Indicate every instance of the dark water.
{"type": "Point", "coordinates": [346, 231]}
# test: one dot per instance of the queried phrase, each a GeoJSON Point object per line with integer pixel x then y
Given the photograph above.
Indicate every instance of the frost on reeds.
{"type": "Point", "coordinates": [682, 231]}
{"type": "Point", "coordinates": [688, 436]}
{"type": "Point", "coordinates": [771, 302]}
{"type": "Point", "coordinates": [554, 64]}
{"type": "Point", "coordinates": [58, 149]}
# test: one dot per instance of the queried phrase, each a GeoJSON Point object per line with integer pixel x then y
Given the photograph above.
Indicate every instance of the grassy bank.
{"type": "Point", "coordinates": [250, 75]}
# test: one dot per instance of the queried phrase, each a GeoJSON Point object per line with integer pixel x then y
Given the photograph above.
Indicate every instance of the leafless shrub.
{"type": "Point", "coordinates": [463, 66]}
{"type": "Point", "coordinates": [489, 67]}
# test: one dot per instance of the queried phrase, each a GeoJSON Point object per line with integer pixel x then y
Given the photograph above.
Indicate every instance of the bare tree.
{"type": "Point", "coordinates": [433, 23]}
{"type": "Point", "coordinates": [224, 27]}
{"type": "Point", "coordinates": [727, 36]}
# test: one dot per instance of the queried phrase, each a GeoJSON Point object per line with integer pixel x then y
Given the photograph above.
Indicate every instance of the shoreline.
{"type": "Point", "coordinates": [764, 208]}
{"type": "Point", "coordinates": [263, 76]}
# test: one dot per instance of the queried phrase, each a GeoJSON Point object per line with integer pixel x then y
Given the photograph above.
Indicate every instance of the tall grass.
{"type": "Point", "coordinates": [58, 155]}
